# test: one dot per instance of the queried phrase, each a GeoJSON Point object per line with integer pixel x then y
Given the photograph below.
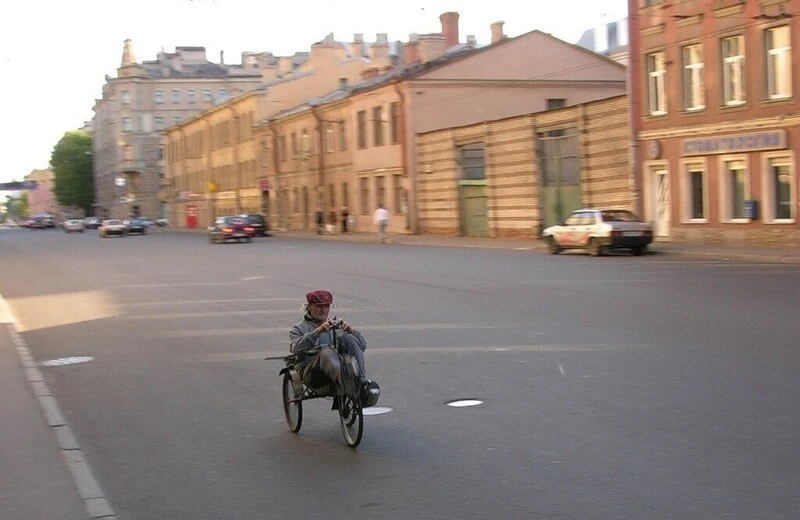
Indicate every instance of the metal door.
{"type": "Point", "coordinates": [560, 177]}
{"type": "Point", "coordinates": [474, 218]}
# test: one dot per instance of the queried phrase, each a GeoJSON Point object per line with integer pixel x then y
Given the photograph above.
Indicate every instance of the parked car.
{"type": "Point", "coordinates": [135, 226]}
{"type": "Point", "coordinates": [73, 225]}
{"type": "Point", "coordinates": [92, 222]}
{"type": "Point", "coordinates": [112, 227]}
{"type": "Point", "coordinates": [230, 228]}
{"type": "Point", "coordinates": [147, 221]}
{"type": "Point", "coordinates": [258, 222]}
{"type": "Point", "coordinates": [598, 231]}
{"type": "Point", "coordinates": [162, 222]}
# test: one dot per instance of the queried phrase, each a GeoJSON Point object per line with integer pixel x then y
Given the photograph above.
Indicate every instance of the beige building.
{"type": "Point", "coordinates": [512, 177]}
{"type": "Point", "coordinates": [139, 103]}
{"type": "Point", "coordinates": [356, 145]}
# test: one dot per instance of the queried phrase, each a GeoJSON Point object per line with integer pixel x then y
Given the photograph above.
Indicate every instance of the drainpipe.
{"type": "Point", "coordinates": [320, 163]}
{"type": "Point", "coordinates": [210, 182]}
{"type": "Point", "coordinates": [633, 93]}
{"type": "Point", "coordinates": [277, 171]}
{"type": "Point", "coordinates": [411, 196]}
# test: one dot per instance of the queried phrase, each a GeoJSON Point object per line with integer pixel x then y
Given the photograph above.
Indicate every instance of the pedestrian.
{"type": "Point", "coordinates": [320, 220]}
{"type": "Point", "coordinates": [345, 215]}
{"type": "Point", "coordinates": [381, 219]}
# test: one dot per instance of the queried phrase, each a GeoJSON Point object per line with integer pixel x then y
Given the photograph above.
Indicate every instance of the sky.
{"type": "Point", "coordinates": [54, 55]}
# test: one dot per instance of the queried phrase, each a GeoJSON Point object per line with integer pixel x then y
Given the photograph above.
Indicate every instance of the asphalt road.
{"type": "Point", "coordinates": [613, 388]}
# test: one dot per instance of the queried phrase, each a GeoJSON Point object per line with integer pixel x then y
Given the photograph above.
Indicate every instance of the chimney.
{"type": "Point", "coordinates": [127, 54]}
{"type": "Point", "coordinates": [357, 47]}
{"type": "Point", "coordinates": [342, 83]}
{"type": "Point", "coordinates": [449, 28]}
{"type": "Point", "coordinates": [411, 52]}
{"type": "Point", "coordinates": [497, 32]}
{"type": "Point", "coordinates": [222, 57]}
{"type": "Point", "coordinates": [471, 40]}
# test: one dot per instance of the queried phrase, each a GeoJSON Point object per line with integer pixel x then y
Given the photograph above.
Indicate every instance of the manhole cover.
{"type": "Point", "coordinates": [377, 410]}
{"type": "Point", "coordinates": [462, 403]}
{"type": "Point", "coordinates": [60, 362]}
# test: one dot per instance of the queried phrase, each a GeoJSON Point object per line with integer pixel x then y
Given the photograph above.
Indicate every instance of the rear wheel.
{"type": "Point", "coordinates": [351, 415]}
{"type": "Point", "coordinates": [292, 408]}
{"type": "Point", "coordinates": [638, 250]}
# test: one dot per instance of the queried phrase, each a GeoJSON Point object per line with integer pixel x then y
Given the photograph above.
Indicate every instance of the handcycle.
{"type": "Point", "coordinates": [350, 407]}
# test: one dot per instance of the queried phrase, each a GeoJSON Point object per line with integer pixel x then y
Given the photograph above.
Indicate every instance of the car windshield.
{"type": "Point", "coordinates": [256, 219]}
{"type": "Point", "coordinates": [619, 216]}
{"type": "Point", "coordinates": [113, 222]}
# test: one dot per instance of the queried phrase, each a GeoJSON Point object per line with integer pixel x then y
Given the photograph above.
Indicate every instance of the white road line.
{"type": "Point", "coordinates": [249, 278]}
{"type": "Point", "coordinates": [94, 500]}
{"type": "Point", "coordinates": [260, 331]}
{"type": "Point", "coordinates": [172, 303]}
{"type": "Point", "coordinates": [561, 369]}
{"type": "Point", "coordinates": [218, 357]}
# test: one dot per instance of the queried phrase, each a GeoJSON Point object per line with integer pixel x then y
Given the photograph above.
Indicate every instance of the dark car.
{"type": "Point", "coordinates": [230, 228]}
{"type": "Point", "coordinates": [136, 226]}
{"type": "Point", "coordinates": [258, 222]}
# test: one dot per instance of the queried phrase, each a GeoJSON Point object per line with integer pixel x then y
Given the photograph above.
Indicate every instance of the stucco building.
{"type": "Point", "coordinates": [715, 111]}
{"type": "Point", "coordinates": [42, 199]}
{"type": "Point", "coordinates": [145, 98]}
{"type": "Point", "coordinates": [355, 145]}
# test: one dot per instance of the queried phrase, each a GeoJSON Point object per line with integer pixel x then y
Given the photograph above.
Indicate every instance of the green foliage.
{"type": "Point", "coordinates": [18, 208]}
{"type": "Point", "coordinates": [71, 161]}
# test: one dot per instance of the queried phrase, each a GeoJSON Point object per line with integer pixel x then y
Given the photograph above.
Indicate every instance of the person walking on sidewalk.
{"type": "Point", "coordinates": [381, 219]}
{"type": "Point", "coordinates": [345, 216]}
{"type": "Point", "coordinates": [320, 220]}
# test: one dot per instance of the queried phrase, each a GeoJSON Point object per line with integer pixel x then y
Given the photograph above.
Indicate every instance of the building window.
{"type": "Point", "coordinates": [222, 95]}
{"type": "Point", "coordinates": [126, 97]}
{"type": "Point", "coordinates": [295, 149]}
{"type": "Point", "coordinates": [380, 191]}
{"type": "Point", "coordinates": [779, 62]}
{"type": "Point", "coordinates": [176, 95]}
{"type": "Point", "coordinates": [342, 136]}
{"type": "Point", "coordinates": [554, 103]}
{"type": "Point", "coordinates": [159, 123]}
{"type": "Point", "coordinates": [778, 193]}
{"type": "Point", "coordinates": [158, 95]}
{"type": "Point", "coordinates": [282, 148]}
{"type": "Point", "coordinates": [695, 191]}
{"type": "Point", "coordinates": [734, 189]}
{"type": "Point", "coordinates": [176, 120]}
{"type": "Point", "coordinates": [733, 70]}
{"type": "Point", "coordinates": [305, 147]}
{"type": "Point", "coordinates": [345, 198]}
{"type": "Point", "coordinates": [397, 194]}
{"type": "Point", "coordinates": [394, 123]}
{"type": "Point", "coordinates": [329, 146]}
{"type": "Point", "coordinates": [471, 161]}
{"type": "Point", "coordinates": [191, 96]}
{"type": "Point", "coordinates": [363, 188]}
{"type": "Point", "coordinates": [207, 95]}
{"type": "Point", "coordinates": [656, 72]}
{"type": "Point", "coordinates": [127, 124]}
{"type": "Point", "coordinates": [332, 201]}
{"type": "Point", "coordinates": [693, 98]}
{"type": "Point", "coordinates": [362, 129]}
{"type": "Point", "coordinates": [377, 126]}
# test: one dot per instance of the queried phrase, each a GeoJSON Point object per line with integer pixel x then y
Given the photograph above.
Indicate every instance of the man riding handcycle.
{"type": "Point", "coordinates": [327, 360]}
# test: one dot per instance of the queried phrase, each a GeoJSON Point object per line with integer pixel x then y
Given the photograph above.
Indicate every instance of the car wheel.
{"type": "Point", "coordinates": [595, 249]}
{"type": "Point", "coordinates": [638, 250]}
{"type": "Point", "coordinates": [553, 246]}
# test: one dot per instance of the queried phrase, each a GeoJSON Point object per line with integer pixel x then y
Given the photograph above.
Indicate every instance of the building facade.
{"type": "Point", "coordinates": [42, 199]}
{"type": "Point", "coordinates": [356, 145]}
{"type": "Point", "coordinates": [143, 100]}
{"type": "Point", "coordinates": [515, 176]}
{"type": "Point", "coordinates": [715, 106]}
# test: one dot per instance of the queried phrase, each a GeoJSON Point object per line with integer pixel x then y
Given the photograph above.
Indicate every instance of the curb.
{"type": "Point", "coordinates": [95, 502]}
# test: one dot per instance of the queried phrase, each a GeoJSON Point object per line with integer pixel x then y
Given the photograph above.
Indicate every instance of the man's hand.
{"type": "Point", "coordinates": [324, 327]}
{"type": "Point", "coordinates": [346, 327]}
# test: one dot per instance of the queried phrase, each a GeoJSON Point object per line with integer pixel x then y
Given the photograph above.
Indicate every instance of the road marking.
{"type": "Point", "coordinates": [561, 369]}
{"type": "Point", "coordinates": [221, 357]}
{"type": "Point", "coordinates": [259, 331]}
{"type": "Point", "coordinates": [64, 361]}
{"type": "Point", "coordinates": [173, 303]}
{"type": "Point", "coordinates": [249, 278]}
{"type": "Point", "coordinates": [221, 314]}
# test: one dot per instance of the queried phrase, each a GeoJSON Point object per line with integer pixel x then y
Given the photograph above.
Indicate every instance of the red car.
{"type": "Point", "coordinates": [230, 228]}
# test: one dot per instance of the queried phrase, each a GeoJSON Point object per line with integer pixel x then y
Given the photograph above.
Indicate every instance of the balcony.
{"type": "Point", "coordinates": [131, 166]}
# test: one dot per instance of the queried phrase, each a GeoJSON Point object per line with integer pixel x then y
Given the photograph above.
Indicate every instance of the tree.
{"type": "Point", "coordinates": [18, 207]}
{"type": "Point", "coordinates": [71, 161]}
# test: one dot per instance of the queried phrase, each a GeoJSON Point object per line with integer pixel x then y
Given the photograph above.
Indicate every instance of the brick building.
{"type": "Point", "coordinates": [715, 110]}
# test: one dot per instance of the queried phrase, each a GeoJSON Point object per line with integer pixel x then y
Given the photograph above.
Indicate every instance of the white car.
{"type": "Point", "coordinates": [112, 227]}
{"type": "Point", "coordinates": [74, 225]}
{"type": "Point", "coordinates": [598, 231]}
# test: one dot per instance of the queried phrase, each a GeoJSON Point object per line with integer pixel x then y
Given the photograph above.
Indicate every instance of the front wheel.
{"type": "Point", "coordinates": [292, 408]}
{"type": "Point", "coordinates": [552, 246]}
{"type": "Point", "coordinates": [595, 248]}
{"type": "Point", "coordinates": [351, 415]}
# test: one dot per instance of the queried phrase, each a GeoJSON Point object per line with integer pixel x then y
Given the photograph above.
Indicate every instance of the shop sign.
{"type": "Point", "coordinates": [748, 142]}
{"type": "Point", "coordinates": [264, 184]}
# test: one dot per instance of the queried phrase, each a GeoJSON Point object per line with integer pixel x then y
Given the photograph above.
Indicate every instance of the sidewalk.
{"type": "Point", "coordinates": [44, 474]}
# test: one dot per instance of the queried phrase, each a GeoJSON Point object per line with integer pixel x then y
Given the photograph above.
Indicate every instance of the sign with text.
{"type": "Point", "coordinates": [748, 142]}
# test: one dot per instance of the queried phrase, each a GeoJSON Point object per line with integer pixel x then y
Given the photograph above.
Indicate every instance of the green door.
{"type": "Point", "coordinates": [474, 215]}
{"type": "Point", "coordinates": [558, 166]}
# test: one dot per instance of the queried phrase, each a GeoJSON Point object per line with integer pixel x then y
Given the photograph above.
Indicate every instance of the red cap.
{"type": "Point", "coordinates": [319, 297]}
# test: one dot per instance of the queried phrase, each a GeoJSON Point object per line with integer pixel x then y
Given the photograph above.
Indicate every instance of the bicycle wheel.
{"type": "Point", "coordinates": [292, 409]}
{"type": "Point", "coordinates": [351, 415]}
